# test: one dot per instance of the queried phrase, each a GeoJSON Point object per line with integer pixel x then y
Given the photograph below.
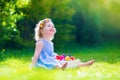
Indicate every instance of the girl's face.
{"type": "Point", "coordinates": [49, 29]}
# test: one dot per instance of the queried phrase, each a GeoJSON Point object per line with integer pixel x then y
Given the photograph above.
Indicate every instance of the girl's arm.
{"type": "Point", "coordinates": [38, 48]}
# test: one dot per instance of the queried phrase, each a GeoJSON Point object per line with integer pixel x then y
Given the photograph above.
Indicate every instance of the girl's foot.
{"type": "Point", "coordinates": [64, 65]}
{"type": "Point", "coordinates": [86, 63]}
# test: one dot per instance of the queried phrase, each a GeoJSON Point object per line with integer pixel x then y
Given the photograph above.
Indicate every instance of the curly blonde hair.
{"type": "Point", "coordinates": [39, 27]}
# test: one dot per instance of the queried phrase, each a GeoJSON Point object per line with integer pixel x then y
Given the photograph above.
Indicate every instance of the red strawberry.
{"type": "Point", "coordinates": [72, 58]}
{"type": "Point", "coordinates": [58, 57]}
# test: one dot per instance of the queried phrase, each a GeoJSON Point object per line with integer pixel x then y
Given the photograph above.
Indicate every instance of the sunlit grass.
{"type": "Point", "coordinates": [107, 67]}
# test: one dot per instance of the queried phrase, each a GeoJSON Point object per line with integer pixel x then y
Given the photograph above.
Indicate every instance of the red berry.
{"type": "Point", "coordinates": [72, 58]}
{"type": "Point", "coordinates": [58, 57]}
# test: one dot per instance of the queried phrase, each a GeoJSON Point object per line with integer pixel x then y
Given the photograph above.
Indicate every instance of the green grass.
{"type": "Point", "coordinates": [14, 65]}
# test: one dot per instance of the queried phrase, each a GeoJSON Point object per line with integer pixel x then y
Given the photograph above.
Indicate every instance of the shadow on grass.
{"type": "Point", "coordinates": [100, 54]}
{"type": "Point", "coordinates": [24, 54]}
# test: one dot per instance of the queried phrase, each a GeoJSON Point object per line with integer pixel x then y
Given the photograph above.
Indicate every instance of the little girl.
{"type": "Point", "coordinates": [44, 55]}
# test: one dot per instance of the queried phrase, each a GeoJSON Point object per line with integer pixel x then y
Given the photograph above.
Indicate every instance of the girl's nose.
{"type": "Point", "coordinates": [52, 26]}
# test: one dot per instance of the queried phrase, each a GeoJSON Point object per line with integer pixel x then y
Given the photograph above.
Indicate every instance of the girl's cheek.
{"type": "Point", "coordinates": [55, 31]}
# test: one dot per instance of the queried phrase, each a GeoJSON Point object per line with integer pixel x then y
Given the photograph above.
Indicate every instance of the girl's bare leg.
{"type": "Point", "coordinates": [86, 63]}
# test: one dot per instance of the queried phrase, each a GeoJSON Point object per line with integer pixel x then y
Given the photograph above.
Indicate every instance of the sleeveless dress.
{"type": "Point", "coordinates": [47, 57]}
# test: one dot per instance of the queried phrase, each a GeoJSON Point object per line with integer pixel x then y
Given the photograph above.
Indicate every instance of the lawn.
{"type": "Point", "coordinates": [14, 65]}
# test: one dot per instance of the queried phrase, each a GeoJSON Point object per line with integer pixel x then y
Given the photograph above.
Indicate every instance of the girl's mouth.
{"type": "Point", "coordinates": [52, 30]}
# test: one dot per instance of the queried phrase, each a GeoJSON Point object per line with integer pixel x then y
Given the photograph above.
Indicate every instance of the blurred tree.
{"type": "Point", "coordinates": [9, 14]}
{"type": "Point", "coordinates": [89, 22]}
{"type": "Point", "coordinates": [57, 10]}
{"type": "Point", "coordinates": [96, 21]}
{"type": "Point", "coordinates": [19, 17]}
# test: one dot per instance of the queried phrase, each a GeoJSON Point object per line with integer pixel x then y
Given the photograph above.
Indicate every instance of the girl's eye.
{"type": "Point", "coordinates": [48, 26]}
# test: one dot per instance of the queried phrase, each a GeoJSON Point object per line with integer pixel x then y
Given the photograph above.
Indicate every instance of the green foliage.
{"type": "Point", "coordinates": [65, 34]}
{"type": "Point", "coordinates": [9, 15]}
{"type": "Point", "coordinates": [85, 22]}
{"type": "Point", "coordinates": [40, 9]}
{"type": "Point", "coordinates": [96, 21]}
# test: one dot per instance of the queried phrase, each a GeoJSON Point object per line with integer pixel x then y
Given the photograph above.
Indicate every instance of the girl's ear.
{"type": "Point", "coordinates": [42, 31]}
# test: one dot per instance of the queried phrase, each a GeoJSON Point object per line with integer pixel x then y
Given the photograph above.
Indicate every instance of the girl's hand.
{"type": "Point", "coordinates": [31, 66]}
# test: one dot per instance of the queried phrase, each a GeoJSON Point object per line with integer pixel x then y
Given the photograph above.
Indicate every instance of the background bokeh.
{"type": "Point", "coordinates": [86, 29]}
{"type": "Point", "coordinates": [78, 22]}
